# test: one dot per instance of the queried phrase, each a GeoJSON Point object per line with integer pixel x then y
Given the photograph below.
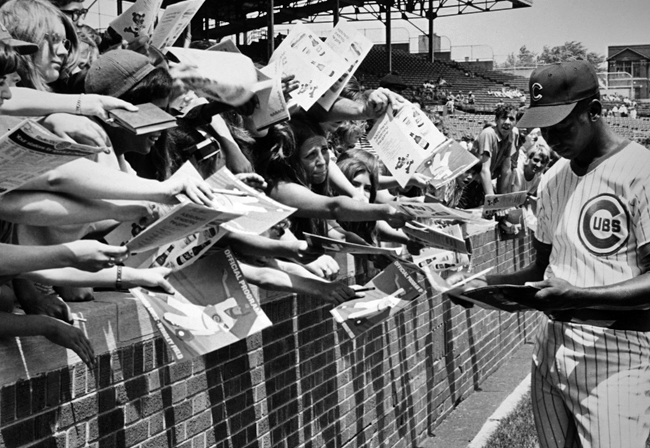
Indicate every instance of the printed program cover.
{"type": "Point", "coordinates": [212, 308]}
{"type": "Point", "coordinates": [394, 289]}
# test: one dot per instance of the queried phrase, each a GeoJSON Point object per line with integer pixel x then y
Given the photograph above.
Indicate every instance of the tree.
{"type": "Point", "coordinates": [525, 58]}
{"type": "Point", "coordinates": [569, 52]}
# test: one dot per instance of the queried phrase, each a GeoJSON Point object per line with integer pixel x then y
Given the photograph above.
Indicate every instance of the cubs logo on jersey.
{"type": "Point", "coordinates": [603, 225]}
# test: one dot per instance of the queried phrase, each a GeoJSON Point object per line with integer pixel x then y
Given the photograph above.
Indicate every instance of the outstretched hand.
{"type": "Point", "coordinates": [78, 129]}
{"type": "Point", "coordinates": [93, 256]}
{"type": "Point", "coordinates": [197, 190]}
{"type": "Point", "coordinates": [337, 292]}
{"type": "Point", "coordinates": [93, 105]}
{"type": "Point", "coordinates": [149, 278]}
{"type": "Point", "coordinates": [70, 337]}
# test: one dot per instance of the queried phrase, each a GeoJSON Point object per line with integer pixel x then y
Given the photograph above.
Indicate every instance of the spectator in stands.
{"type": "Point", "coordinates": [496, 147]}
{"type": "Point", "coordinates": [622, 110]}
{"type": "Point", "coordinates": [632, 108]}
{"type": "Point", "coordinates": [450, 106]}
{"type": "Point", "coordinates": [470, 98]}
{"type": "Point", "coordinates": [615, 111]}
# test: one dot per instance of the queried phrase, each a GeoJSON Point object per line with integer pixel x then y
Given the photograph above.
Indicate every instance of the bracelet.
{"type": "Point", "coordinates": [118, 279]}
{"type": "Point", "coordinates": [78, 107]}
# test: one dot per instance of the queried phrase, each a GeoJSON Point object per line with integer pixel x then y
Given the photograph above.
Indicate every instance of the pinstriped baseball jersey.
{"type": "Point", "coordinates": [596, 222]}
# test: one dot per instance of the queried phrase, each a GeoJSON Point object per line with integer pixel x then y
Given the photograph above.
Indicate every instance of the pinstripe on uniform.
{"type": "Point", "coordinates": [587, 380]}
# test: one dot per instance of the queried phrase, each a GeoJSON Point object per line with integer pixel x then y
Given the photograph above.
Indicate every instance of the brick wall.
{"type": "Point", "coordinates": [300, 383]}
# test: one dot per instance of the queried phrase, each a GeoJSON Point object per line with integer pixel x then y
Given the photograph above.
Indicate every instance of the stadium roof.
{"type": "Point", "coordinates": [227, 17]}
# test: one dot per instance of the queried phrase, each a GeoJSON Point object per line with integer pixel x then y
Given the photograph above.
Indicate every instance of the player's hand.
{"type": "Point", "coordinates": [70, 337]}
{"type": "Point", "coordinates": [93, 256]}
{"type": "Point", "coordinates": [78, 129]}
{"type": "Point", "coordinates": [253, 180]}
{"type": "Point", "coordinates": [556, 294]}
{"type": "Point", "coordinates": [455, 294]}
{"type": "Point", "coordinates": [197, 190]}
{"type": "Point", "coordinates": [325, 267]}
{"type": "Point", "coordinates": [148, 278]}
{"type": "Point", "coordinates": [93, 105]}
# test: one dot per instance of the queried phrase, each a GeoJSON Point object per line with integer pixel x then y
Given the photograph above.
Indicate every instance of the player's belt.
{"type": "Point", "coordinates": [632, 320]}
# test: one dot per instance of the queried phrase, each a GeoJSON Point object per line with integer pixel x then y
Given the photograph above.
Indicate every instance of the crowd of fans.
{"type": "Point", "coordinates": [68, 76]}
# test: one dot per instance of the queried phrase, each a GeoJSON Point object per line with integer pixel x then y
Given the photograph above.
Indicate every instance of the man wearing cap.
{"type": "Point", "coordinates": [591, 365]}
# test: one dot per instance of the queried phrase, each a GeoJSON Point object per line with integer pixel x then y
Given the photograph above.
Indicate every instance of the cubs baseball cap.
{"type": "Point", "coordinates": [555, 90]}
{"type": "Point", "coordinates": [20, 46]}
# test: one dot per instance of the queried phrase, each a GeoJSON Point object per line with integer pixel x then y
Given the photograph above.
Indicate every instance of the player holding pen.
{"type": "Point", "coordinates": [591, 366]}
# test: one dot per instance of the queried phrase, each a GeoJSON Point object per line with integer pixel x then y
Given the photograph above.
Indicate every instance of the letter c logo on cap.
{"type": "Point", "coordinates": [535, 90]}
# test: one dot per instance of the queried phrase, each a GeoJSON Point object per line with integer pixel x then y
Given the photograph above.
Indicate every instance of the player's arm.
{"type": "Point", "coordinates": [629, 294]}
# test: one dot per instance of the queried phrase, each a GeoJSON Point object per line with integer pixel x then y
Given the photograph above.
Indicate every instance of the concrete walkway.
{"type": "Point", "coordinates": [464, 423]}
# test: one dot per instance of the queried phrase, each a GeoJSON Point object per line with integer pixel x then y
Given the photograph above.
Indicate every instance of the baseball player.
{"type": "Point", "coordinates": [591, 364]}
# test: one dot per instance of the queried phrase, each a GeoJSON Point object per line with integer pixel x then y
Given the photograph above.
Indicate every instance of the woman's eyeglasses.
{"type": "Point", "coordinates": [55, 40]}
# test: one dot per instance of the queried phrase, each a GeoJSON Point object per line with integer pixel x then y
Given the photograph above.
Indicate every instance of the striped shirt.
{"type": "Point", "coordinates": [596, 222]}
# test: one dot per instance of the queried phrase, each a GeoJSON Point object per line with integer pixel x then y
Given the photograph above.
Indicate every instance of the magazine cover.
{"type": "Point", "coordinates": [212, 308]}
{"type": "Point", "coordinates": [393, 289]}
{"type": "Point", "coordinates": [449, 161]}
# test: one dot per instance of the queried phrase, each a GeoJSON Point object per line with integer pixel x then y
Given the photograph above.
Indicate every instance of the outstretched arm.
{"type": "Point", "coordinates": [88, 179]}
{"type": "Point", "coordinates": [61, 333]}
{"type": "Point", "coordinates": [341, 208]}
{"type": "Point", "coordinates": [84, 254]}
{"type": "Point", "coordinates": [39, 208]}
{"type": "Point", "coordinates": [154, 277]}
{"type": "Point", "coordinates": [30, 102]}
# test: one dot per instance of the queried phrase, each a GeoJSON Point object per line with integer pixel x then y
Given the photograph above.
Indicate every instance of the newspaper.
{"type": "Point", "coordinates": [29, 150]}
{"type": "Point", "coordinates": [262, 212]}
{"type": "Point", "coordinates": [205, 74]}
{"type": "Point", "coordinates": [183, 253]}
{"type": "Point", "coordinates": [137, 21]}
{"type": "Point", "coordinates": [394, 288]}
{"type": "Point", "coordinates": [174, 20]}
{"type": "Point", "coordinates": [450, 238]}
{"type": "Point", "coordinates": [212, 308]}
{"type": "Point", "coordinates": [353, 46]}
{"type": "Point", "coordinates": [315, 65]}
{"type": "Point", "coordinates": [332, 245]}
